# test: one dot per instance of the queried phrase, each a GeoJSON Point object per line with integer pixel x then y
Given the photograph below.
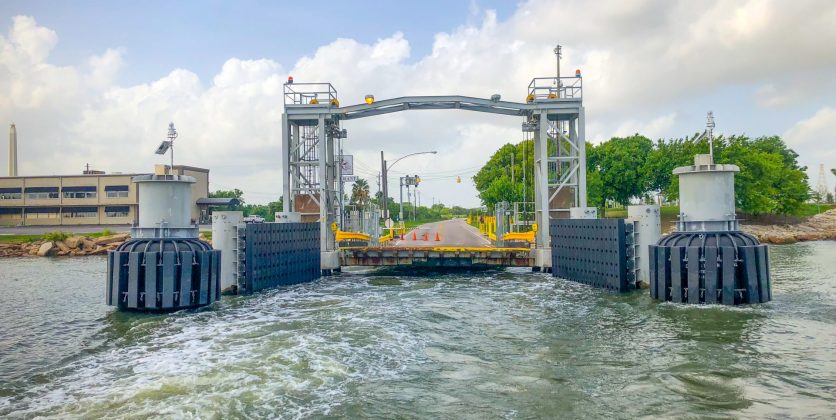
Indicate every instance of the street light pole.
{"type": "Point", "coordinates": [384, 169]}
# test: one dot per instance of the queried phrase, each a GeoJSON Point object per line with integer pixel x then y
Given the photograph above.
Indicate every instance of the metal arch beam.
{"type": "Point", "coordinates": [568, 106]}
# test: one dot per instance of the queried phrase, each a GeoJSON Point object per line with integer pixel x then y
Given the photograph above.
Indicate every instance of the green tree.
{"type": "Point", "coordinates": [621, 164]}
{"type": "Point", "coordinates": [507, 176]}
{"type": "Point", "coordinates": [360, 192]}
{"type": "Point", "coordinates": [770, 180]}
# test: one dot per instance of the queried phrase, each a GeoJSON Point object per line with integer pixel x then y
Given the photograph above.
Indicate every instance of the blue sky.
{"type": "Point", "coordinates": [98, 81]}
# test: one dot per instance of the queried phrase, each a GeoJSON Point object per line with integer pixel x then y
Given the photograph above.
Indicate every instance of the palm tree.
{"type": "Point", "coordinates": [360, 192]}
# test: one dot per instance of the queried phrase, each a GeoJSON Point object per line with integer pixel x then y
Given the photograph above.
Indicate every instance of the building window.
{"type": "Point", "coordinates": [117, 211]}
{"type": "Point", "coordinates": [42, 213]}
{"type": "Point", "coordinates": [75, 212]}
{"type": "Point", "coordinates": [41, 193]}
{"type": "Point", "coordinates": [116, 194]}
{"type": "Point", "coordinates": [79, 194]}
{"type": "Point", "coordinates": [11, 193]}
{"type": "Point", "coordinates": [11, 212]}
{"type": "Point", "coordinates": [116, 191]}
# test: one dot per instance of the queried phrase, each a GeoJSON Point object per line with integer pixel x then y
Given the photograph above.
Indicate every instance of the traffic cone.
{"type": "Point", "coordinates": [437, 239]}
{"type": "Point", "coordinates": [414, 236]}
{"type": "Point", "coordinates": [426, 236]}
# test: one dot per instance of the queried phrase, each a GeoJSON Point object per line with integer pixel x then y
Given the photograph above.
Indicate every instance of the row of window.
{"type": "Point", "coordinates": [66, 194]}
{"type": "Point", "coordinates": [69, 212]}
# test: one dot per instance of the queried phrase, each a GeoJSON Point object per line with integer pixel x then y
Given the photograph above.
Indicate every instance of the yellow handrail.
{"type": "Point", "coordinates": [520, 236]}
{"type": "Point", "coordinates": [348, 236]}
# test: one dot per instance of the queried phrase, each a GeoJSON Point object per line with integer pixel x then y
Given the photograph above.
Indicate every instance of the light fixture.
{"type": "Point", "coordinates": [495, 97]}
{"type": "Point", "coordinates": [369, 99]}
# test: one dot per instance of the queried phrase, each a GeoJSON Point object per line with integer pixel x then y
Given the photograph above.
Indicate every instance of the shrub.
{"type": "Point", "coordinates": [55, 236]}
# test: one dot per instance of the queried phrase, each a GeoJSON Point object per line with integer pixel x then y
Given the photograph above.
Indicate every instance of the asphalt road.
{"type": "Point", "coordinates": [454, 232]}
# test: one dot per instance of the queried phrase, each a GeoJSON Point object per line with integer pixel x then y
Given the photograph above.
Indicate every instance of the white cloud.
{"type": "Point", "coordinates": [641, 61]}
{"type": "Point", "coordinates": [654, 129]}
{"type": "Point", "coordinates": [814, 139]}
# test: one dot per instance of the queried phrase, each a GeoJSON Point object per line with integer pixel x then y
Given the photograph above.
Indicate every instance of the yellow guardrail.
{"type": "Point", "coordinates": [388, 237]}
{"type": "Point", "coordinates": [520, 236]}
{"type": "Point", "coordinates": [349, 236]}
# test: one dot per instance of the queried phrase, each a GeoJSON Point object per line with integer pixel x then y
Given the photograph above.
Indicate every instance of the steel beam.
{"type": "Point", "coordinates": [286, 168]}
{"type": "Point", "coordinates": [581, 143]}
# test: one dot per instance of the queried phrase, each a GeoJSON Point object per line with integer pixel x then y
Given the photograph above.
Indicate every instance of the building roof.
{"type": "Point", "coordinates": [218, 202]}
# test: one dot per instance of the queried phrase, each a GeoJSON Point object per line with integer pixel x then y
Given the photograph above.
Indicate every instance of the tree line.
{"type": "Point", "coordinates": [622, 169]}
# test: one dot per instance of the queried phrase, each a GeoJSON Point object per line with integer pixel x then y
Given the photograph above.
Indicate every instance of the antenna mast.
{"type": "Point", "coordinates": [558, 52]}
{"type": "Point", "coordinates": [710, 128]}
{"type": "Point", "coordinates": [172, 134]}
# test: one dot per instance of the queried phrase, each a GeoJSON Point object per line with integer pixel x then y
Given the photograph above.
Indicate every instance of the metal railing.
{"type": "Point", "coordinates": [554, 88]}
{"type": "Point", "coordinates": [310, 94]}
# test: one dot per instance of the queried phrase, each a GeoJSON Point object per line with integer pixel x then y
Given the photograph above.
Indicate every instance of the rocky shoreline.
{"type": "Point", "coordinates": [821, 227]}
{"type": "Point", "coordinates": [74, 246]}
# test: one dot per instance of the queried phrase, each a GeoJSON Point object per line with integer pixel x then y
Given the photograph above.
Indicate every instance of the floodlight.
{"type": "Point", "coordinates": [163, 147]}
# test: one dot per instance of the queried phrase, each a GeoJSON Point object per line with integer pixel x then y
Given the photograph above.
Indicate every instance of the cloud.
{"type": "Point", "coordinates": [813, 139]}
{"type": "Point", "coordinates": [654, 129]}
{"type": "Point", "coordinates": [643, 62]}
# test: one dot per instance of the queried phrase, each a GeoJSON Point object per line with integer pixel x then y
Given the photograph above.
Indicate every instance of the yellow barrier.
{"type": "Point", "coordinates": [349, 236]}
{"type": "Point", "coordinates": [386, 238]}
{"type": "Point", "coordinates": [520, 236]}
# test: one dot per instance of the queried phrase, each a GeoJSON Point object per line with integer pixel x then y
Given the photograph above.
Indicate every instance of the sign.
{"type": "Point", "coordinates": [347, 165]}
{"type": "Point", "coordinates": [350, 178]}
{"type": "Point", "coordinates": [411, 180]}
{"type": "Point", "coordinates": [388, 223]}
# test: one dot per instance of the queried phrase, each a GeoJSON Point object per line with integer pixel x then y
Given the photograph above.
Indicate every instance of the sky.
{"type": "Point", "coordinates": [98, 81]}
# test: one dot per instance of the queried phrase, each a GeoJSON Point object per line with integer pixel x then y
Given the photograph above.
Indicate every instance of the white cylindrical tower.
{"type": "Point", "coordinates": [706, 196]}
{"type": "Point", "coordinates": [165, 207]}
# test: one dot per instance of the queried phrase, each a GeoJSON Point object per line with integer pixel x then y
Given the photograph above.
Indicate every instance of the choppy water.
{"type": "Point", "coordinates": [510, 344]}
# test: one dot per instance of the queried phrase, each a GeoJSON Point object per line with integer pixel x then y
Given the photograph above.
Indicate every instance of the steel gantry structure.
{"type": "Point", "coordinates": [553, 117]}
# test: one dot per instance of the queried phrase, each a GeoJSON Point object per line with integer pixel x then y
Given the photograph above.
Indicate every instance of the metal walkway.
{"type": "Point", "coordinates": [474, 257]}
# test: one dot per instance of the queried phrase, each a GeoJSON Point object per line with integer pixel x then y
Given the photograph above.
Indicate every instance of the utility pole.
{"type": "Point", "coordinates": [400, 212]}
{"type": "Point", "coordinates": [385, 187]}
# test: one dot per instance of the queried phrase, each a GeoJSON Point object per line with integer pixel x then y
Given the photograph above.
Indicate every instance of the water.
{"type": "Point", "coordinates": [504, 344]}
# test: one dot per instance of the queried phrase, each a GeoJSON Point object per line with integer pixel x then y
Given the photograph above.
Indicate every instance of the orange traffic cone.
{"type": "Point", "coordinates": [436, 237]}
{"type": "Point", "coordinates": [414, 236]}
{"type": "Point", "coordinates": [426, 236]}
